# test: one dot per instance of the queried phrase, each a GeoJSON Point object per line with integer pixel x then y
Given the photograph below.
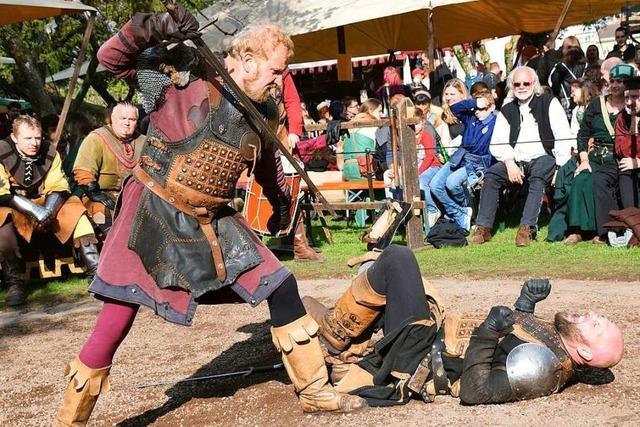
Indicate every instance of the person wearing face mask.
{"type": "Point", "coordinates": [175, 242]}
{"type": "Point", "coordinates": [427, 350]}
{"type": "Point", "coordinates": [35, 200]}
{"type": "Point", "coordinates": [531, 136]}
{"type": "Point", "coordinates": [105, 159]}
{"type": "Point", "coordinates": [570, 68]}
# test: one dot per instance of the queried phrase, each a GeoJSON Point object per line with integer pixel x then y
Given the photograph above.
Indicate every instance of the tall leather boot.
{"type": "Point", "coordinates": [11, 272]}
{"type": "Point", "coordinates": [353, 313]}
{"type": "Point", "coordinates": [302, 358]}
{"type": "Point", "coordinates": [301, 249]}
{"type": "Point", "coordinates": [88, 252]}
{"type": "Point", "coordinates": [85, 385]}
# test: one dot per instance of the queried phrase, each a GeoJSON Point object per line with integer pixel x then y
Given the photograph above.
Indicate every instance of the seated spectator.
{"type": "Point", "coordinates": [431, 113]}
{"type": "Point", "coordinates": [105, 158]}
{"type": "Point", "coordinates": [582, 91]}
{"type": "Point", "coordinates": [323, 112]}
{"type": "Point", "coordinates": [470, 159]}
{"type": "Point", "coordinates": [599, 158]}
{"type": "Point", "coordinates": [570, 68]}
{"type": "Point", "coordinates": [628, 146]}
{"type": "Point", "coordinates": [13, 112]}
{"type": "Point", "coordinates": [454, 91]}
{"type": "Point", "coordinates": [530, 137]}
{"type": "Point", "coordinates": [352, 106]}
{"type": "Point", "coordinates": [428, 163]}
{"type": "Point", "coordinates": [34, 198]}
{"type": "Point", "coordinates": [605, 69]}
{"type": "Point", "coordinates": [391, 85]}
{"type": "Point", "coordinates": [621, 49]}
{"type": "Point", "coordinates": [356, 163]}
{"type": "Point", "coordinates": [593, 56]}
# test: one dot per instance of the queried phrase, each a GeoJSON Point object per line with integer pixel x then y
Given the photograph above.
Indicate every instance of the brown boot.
{"type": "Point", "coordinates": [353, 313]}
{"type": "Point", "coordinates": [301, 249]}
{"type": "Point", "coordinates": [480, 235]}
{"type": "Point", "coordinates": [11, 273]}
{"type": "Point", "coordinates": [302, 358]}
{"type": "Point", "coordinates": [85, 385]}
{"type": "Point", "coordinates": [523, 237]}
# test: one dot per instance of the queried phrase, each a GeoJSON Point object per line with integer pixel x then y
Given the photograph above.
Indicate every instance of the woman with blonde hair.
{"type": "Point", "coordinates": [356, 165]}
{"type": "Point", "coordinates": [452, 129]}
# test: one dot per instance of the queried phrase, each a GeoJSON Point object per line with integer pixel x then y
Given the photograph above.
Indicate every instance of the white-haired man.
{"type": "Point", "coordinates": [531, 136]}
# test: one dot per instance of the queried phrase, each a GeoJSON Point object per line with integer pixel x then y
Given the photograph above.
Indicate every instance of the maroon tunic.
{"type": "Point", "coordinates": [121, 274]}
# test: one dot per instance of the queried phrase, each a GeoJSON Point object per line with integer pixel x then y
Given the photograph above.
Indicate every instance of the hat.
{"type": "Point", "coordinates": [323, 104]}
{"type": "Point", "coordinates": [622, 71]}
{"type": "Point", "coordinates": [632, 84]}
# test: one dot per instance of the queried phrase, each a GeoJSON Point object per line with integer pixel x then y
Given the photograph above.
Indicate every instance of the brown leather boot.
{"type": "Point", "coordinates": [85, 385]}
{"type": "Point", "coordinates": [523, 237]}
{"type": "Point", "coordinates": [480, 235]}
{"type": "Point", "coordinates": [353, 313]}
{"type": "Point", "coordinates": [302, 358]}
{"type": "Point", "coordinates": [301, 249]}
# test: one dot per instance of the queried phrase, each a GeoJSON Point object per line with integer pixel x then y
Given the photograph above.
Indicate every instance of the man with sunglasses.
{"type": "Point", "coordinates": [531, 136]}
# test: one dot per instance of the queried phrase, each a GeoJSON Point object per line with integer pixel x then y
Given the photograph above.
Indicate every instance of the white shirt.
{"type": "Point", "coordinates": [528, 145]}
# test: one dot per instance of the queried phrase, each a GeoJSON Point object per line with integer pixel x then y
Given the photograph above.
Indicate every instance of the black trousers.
{"type": "Point", "coordinates": [396, 274]}
{"type": "Point", "coordinates": [605, 190]}
{"type": "Point", "coordinates": [537, 173]}
{"type": "Point", "coordinates": [285, 304]}
{"type": "Point", "coordinates": [629, 182]}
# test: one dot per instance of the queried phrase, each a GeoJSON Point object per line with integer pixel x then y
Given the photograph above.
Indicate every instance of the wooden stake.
{"type": "Point", "coordinates": [74, 78]}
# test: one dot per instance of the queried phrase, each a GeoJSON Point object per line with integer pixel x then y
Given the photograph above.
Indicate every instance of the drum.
{"type": "Point", "coordinates": [257, 209]}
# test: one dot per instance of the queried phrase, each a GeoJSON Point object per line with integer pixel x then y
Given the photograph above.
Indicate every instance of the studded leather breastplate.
{"type": "Point", "coordinates": [203, 169]}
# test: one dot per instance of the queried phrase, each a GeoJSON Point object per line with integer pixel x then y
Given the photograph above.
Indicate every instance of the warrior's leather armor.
{"type": "Point", "coordinates": [183, 210]}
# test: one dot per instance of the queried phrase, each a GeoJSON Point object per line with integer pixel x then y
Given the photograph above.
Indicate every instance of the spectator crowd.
{"type": "Point", "coordinates": [559, 131]}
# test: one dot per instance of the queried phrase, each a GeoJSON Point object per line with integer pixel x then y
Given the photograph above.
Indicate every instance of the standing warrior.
{"type": "Point", "coordinates": [105, 159]}
{"type": "Point", "coordinates": [174, 241]}
{"type": "Point", "coordinates": [34, 197]}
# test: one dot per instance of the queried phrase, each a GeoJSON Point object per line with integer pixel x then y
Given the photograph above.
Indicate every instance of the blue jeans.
{"type": "Point", "coordinates": [425, 180]}
{"type": "Point", "coordinates": [447, 188]}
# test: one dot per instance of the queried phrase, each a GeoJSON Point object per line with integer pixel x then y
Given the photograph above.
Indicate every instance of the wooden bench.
{"type": "Point", "coordinates": [359, 185]}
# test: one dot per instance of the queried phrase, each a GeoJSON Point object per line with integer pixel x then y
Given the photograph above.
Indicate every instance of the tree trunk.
{"type": "Point", "coordinates": [27, 81]}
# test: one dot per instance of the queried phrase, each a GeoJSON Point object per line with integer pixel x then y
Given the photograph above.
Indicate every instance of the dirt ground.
{"type": "Point", "coordinates": [34, 348]}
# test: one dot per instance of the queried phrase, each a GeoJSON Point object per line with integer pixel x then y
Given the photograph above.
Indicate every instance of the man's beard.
{"type": "Point", "coordinates": [258, 95]}
{"type": "Point", "coordinates": [566, 328]}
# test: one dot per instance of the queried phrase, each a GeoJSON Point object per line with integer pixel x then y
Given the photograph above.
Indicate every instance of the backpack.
{"type": "Point", "coordinates": [447, 233]}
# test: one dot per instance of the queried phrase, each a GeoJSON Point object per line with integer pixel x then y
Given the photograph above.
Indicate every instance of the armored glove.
{"type": "Point", "coordinates": [152, 28]}
{"type": "Point", "coordinates": [281, 217]}
{"type": "Point", "coordinates": [43, 216]}
{"type": "Point", "coordinates": [92, 190]}
{"type": "Point", "coordinates": [499, 320]}
{"type": "Point", "coordinates": [533, 291]}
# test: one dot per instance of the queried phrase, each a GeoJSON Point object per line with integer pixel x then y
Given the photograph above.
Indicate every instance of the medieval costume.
{"type": "Point", "coordinates": [174, 242]}
{"type": "Point", "coordinates": [34, 198]}
{"type": "Point", "coordinates": [426, 351]}
{"type": "Point", "coordinates": [102, 164]}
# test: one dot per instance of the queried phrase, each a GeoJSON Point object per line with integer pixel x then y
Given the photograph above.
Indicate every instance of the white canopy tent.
{"type": "Point", "coordinates": [13, 11]}
{"type": "Point", "coordinates": [324, 30]}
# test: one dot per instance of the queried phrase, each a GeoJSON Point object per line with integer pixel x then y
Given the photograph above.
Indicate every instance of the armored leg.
{"type": "Point", "coordinates": [353, 313]}
{"type": "Point", "coordinates": [85, 385]}
{"type": "Point", "coordinates": [88, 252]}
{"type": "Point", "coordinates": [302, 357]}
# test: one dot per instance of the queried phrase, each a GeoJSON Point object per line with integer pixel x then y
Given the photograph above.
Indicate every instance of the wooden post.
{"type": "Point", "coordinates": [552, 38]}
{"type": "Point", "coordinates": [409, 168]}
{"type": "Point", "coordinates": [74, 78]}
{"type": "Point", "coordinates": [431, 43]}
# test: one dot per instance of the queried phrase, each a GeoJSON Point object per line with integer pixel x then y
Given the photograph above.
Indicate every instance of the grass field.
{"type": "Point", "coordinates": [499, 258]}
